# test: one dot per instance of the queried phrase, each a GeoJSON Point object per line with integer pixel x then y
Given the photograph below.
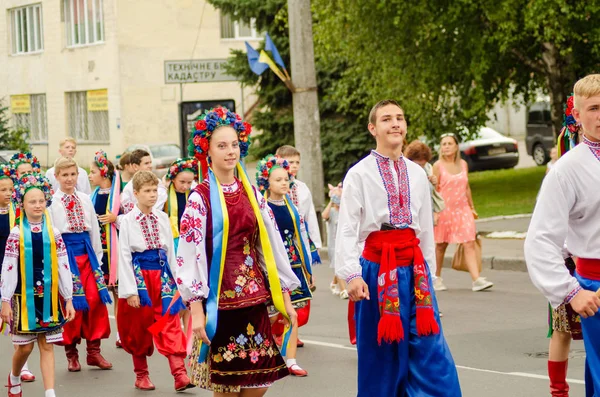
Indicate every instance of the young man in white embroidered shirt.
{"type": "Point", "coordinates": [74, 217]}
{"type": "Point", "coordinates": [568, 209]}
{"type": "Point", "coordinates": [140, 161]}
{"type": "Point", "coordinates": [384, 251]}
{"type": "Point", "coordinates": [68, 148]}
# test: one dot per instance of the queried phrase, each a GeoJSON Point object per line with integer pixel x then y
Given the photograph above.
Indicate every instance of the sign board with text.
{"type": "Point", "coordinates": [20, 104]}
{"type": "Point", "coordinates": [97, 100]}
{"type": "Point", "coordinates": [196, 71]}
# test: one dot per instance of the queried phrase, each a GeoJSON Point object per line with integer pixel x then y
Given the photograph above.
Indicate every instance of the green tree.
{"type": "Point", "coordinates": [10, 138]}
{"type": "Point", "coordinates": [448, 62]}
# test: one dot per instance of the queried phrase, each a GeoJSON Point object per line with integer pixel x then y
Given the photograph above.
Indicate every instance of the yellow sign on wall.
{"type": "Point", "coordinates": [97, 100]}
{"type": "Point", "coordinates": [20, 104]}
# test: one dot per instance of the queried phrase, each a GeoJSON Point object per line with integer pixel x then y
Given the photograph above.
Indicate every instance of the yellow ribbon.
{"type": "Point", "coordinates": [172, 208]}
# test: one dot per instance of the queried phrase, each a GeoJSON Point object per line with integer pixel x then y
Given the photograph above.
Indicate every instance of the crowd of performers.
{"type": "Point", "coordinates": [173, 255]}
{"type": "Point", "coordinates": [205, 265]}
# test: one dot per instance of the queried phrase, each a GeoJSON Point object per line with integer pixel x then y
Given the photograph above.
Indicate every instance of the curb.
{"type": "Point", "coordinates": [496, 263]}
{"type": "Point", "coordinates": [502, 217]}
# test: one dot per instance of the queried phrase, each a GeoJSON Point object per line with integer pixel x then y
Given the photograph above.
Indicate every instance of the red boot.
{"type": "Point", "coordinates": [140, 367]}
{"type": "Point", "coordinates": [557, 371]}
{"type": "Point", "coordinates": [94, 357]}
{"type": "Point", "coordinates": [72, 358]}
{"type": "Point", "coordinates": [177, 365]}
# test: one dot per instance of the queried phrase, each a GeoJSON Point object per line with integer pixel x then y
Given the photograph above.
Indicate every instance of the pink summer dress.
{"type": "Point", "coordinates": [456, 223]}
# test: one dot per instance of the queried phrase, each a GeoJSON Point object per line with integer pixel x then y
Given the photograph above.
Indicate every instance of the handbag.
{"type": "Point", "coordinates": [458, 262]}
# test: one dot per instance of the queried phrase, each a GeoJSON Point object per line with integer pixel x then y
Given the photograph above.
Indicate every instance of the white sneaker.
{"type": "Point", "coordinates": [335, 289]}
{"type": "Point", "coordinates": [344, 294]}
{"type": "Point", "coordinates": [481, 283]}
{"type": "Point", "coordinates": [438, 285]}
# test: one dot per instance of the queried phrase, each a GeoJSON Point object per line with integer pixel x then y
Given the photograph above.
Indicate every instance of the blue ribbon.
{"type": "Point", "coordinates": [296, 216]}
{"type": "Point", "coordinates": [29, 279]}
{"type": "Point", "coordinates": [47, 273]}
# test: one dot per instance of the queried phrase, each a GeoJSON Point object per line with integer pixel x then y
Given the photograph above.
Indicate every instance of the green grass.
{"type": "Point", "coordinates": [506, 192]}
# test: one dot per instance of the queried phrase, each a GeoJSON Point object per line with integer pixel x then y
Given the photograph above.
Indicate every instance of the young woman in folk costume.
{"type": "Point", "coordinates": [274, 180]}
{"type": "Point", "coordinates": [9, 213]}
{"type": "Point", "coordinates": [35, 271]}
{"type": "Point", "coordinates": [181, 176]}
{"type": "Point", "coordinates": [228, 224]}
{"type": "Point", "coordinates": [75, 218]}
{"type": "Point", "coordinates": [106, 199]}
{"type": "Point", "coordinates": [25, 163]}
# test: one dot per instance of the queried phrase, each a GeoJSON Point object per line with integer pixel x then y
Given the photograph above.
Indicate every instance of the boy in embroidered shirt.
{"type": "Point", "coordinates": [75, 218]}
{"type": "Point", "coordinates": [147, 287]}
{"type": "Point", "coordinates": [68, 148]}
{"type": "Point", "coordinates": [34, 313]}
{"type": "Point", "coordinates": [140, 160]}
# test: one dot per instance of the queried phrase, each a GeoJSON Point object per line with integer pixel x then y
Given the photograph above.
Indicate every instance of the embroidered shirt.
{"type": "Point", "coordinates": [567, 208]}
{"type": "Point", "coordinates": [75, 214]}
{"type": "Point", "coordinates": [379, 190]}
{"type": "Point", "coordinates": [128, 200]}
{"type": "Point", "coordinates": [140, 233]}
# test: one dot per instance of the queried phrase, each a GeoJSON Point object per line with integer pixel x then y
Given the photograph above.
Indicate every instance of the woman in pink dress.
{"type": "Point", "coordinates": [456, 223]}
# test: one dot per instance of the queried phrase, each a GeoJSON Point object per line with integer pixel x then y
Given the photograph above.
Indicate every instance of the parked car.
{"type": "Point", "coordinates": [540, 138]}
{"type": "Point", "coordinates": [5, 155]}
{"type": "Point", "coordinates": [162, 155]}
{"type": "Point", "coordinates": [490, 150]}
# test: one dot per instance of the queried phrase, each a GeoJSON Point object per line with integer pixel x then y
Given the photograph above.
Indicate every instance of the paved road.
{"type": "Point", "coordinates": [497, 339]}
{"type": "Point", "coordinates": [525, 160]}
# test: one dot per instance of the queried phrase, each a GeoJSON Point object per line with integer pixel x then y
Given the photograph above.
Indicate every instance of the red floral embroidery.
{"type": "Point", "coordinates": [398, 191]}
{"type": "Point", "coordinates": [150, 230]}
{"type": "Point", "coordinates": [75, 214]}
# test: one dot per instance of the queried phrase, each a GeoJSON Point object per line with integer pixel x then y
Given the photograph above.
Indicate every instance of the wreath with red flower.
{"type": "Point", "coordinates": [569, 120]}
{"type": "Point", "coordinates": [33, 181]}
{"type": "Point", "coordinates": [7, 171]}
{"type": "Point", "coordinates": [268, 164]}
{"type": "Point", "coordinates": [27, 157]}
{"type": "Point", "coordinates": [180, 165]}
{"type": "Point", "coordinates": [101, 160]}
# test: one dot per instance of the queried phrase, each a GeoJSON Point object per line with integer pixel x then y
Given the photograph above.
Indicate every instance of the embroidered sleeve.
{"type": "Point", "coordinates": [65, 279]}
{"type": "Point", "coordinates": [127, 281]}
{"type": "Point", "coordinates": [572, 294]}
{"type": "Point", "coordinates": [350, 216]}
{"type": "Point", "coordinates": [191, 272]}
{"type": "Point", "coordinates": [10, 273]}
{"type": "Point", "coordinates": [95, 228]}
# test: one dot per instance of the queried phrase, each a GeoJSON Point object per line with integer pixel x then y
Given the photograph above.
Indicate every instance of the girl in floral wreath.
{"type": "Point", "coordinates": [274, 181]}
{"type": "Point", "coordinates": [35, 271]}
{"type": "Point", "coordinates": [229, 247]}
{"type": "Point", "coordinates": [24, 163]}
{"type": "Point", "coordinates": [107, 203]}
{"type": "Point", "coordinates": [75, 218]}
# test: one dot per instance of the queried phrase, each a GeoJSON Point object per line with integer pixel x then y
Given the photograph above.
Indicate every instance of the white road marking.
{"type": "Point", "coordinates": [519, 374]}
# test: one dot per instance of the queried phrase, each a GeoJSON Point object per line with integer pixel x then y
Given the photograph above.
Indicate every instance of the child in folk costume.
{"type": "Point", "coordinates": [68, 148]}
{"type": "Point", "coordinates": [75, 218]}
{"type": "Point", "coordinates": [25, 163]}
{"type": "Point", "coordinates": [274, 180]}
{"type": "Point", "coordinates": [228, 224]}
{"type": "Point", "coordinates": [386, 208]}
{"type": "Point", "coordinates": [107, 204]}
{"type": "Point", "coordinates": [147, 288]}
{"type": "Point", "coordinates": [140, 160]}
{"type": "Point", "coordinates": [35, 271]}
{"type": "Point", "coordinates": [125, 169]}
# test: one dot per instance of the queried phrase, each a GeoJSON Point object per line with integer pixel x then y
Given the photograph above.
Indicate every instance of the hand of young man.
{"type": "Point", "coordinates": [586, 303]}
{"type": "Point", "coordinates": [199, 322]}
{"type": "Point", "coordinates": [109, 217]}
{"type": "Point", "coordinates": [358, 290]}
{"type": "Point", "coordinates": [69, 310]}
{"type": "Point", "coordinates": [134, 301]}
{"type": "Point", "coordinates": [7, 312]}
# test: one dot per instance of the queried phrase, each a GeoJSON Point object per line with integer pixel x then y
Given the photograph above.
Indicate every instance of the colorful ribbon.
{"type": "Point", "coordinates": [50, 307]}
{"type": "Point", "coordinates": [296, 220]}
{"type": "Point", "coordinates": [172, 209]}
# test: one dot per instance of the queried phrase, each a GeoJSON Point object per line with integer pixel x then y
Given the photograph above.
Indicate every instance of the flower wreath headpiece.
{"type": "Point", "coordinates": [185, 164]}
{"type": "Point", "coordinates": [33, 181]}
{"type": "Point", "coordinates": [268, 164]}
{"type": "Point", "coordinates": [7, 171]}
{"type": "Point", "coordinates": [569, 120]}
{"type": "Point", "coordinates": [20, 158]}
{"type": "Point", "coordinates": [569, 135]}
{"type": "Point", "coordinates": [207, 123]}
{"type": "Point", "coordinates": [101, 160]}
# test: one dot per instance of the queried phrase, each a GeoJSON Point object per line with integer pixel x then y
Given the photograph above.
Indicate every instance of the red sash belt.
{"type": "Point", "coordinates": [393, 249]}
{"type": "Point", "coordinates": [588, 268]}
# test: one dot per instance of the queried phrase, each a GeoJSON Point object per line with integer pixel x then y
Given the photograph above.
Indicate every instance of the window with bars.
{"type": "Point", "coordinates": [84, 22]}
{"type": "Point", "coordinates": [86, 123]}
{"type": "Point", "coordinates": [34, 119]}
{"type": "Point", "coordinates": [27, 29]}
{"type": "Point", "coordinates": [231, 29]}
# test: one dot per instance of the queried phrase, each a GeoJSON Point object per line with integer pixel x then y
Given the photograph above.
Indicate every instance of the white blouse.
{"type": "Point", "coordinates": [192, 266]}
{"type": "Point", "coordinates": [302, 198]}
{"type": "Point", "coordinates": [72, 221]}
{"type": "Point", "coordinates": [83, 183]}
{"type": "Point", "coordinates": [128, 200]}
{"type": "Point", "coordinates": [139, 233]}
{"type": "Point", "coordinates": [11, 263]}
{"type": "Point", "coordinates": [568, 207]}
{"type": "Point", "coordinates": [374, 190]}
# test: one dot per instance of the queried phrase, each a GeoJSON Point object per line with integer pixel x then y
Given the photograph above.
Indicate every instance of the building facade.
{"type": "Point", "coordinates": [113, 73]}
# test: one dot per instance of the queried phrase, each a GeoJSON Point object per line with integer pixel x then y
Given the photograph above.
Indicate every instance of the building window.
{"type": "Point", "coordinates": [29, 113]}
{"type": "Point", "coordinates": [27, 29]}
{"type": "Point", "coordinates": [242, 30]}
{"type": "Point", "coordinates": [88, 115]}
{"type": "Point", "coordinates": [84, 22]}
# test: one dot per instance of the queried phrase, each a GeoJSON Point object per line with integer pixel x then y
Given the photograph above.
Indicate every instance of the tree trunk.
{"type": "Point", "coordinates": [559, 83]}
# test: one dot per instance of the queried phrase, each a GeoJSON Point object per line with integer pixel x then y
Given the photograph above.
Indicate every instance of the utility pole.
{"type": "Point", "coordinates": [307, 123]}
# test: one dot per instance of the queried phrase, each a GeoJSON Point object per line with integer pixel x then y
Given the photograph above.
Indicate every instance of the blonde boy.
{"type": "Point", "coordinates": [568, 209]}
{"type": "Point", "coordinates": [68, 149]}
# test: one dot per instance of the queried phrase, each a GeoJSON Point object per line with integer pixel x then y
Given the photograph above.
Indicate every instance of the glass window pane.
{"type": "Point", "coordinates": [31, 29]}
{"type": "Point", "coordinates": [25, 42]}
{"type": "Point", "coordinates": [99, 21]}
{"type": "Point", "coordinates": [245, 30]}
{"type": "Point", "coordinates": [227, 28]}
{"type": "Point", "coordinates": [81, 21]}
{"type": "Point", "coordinates": [38, 21]}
